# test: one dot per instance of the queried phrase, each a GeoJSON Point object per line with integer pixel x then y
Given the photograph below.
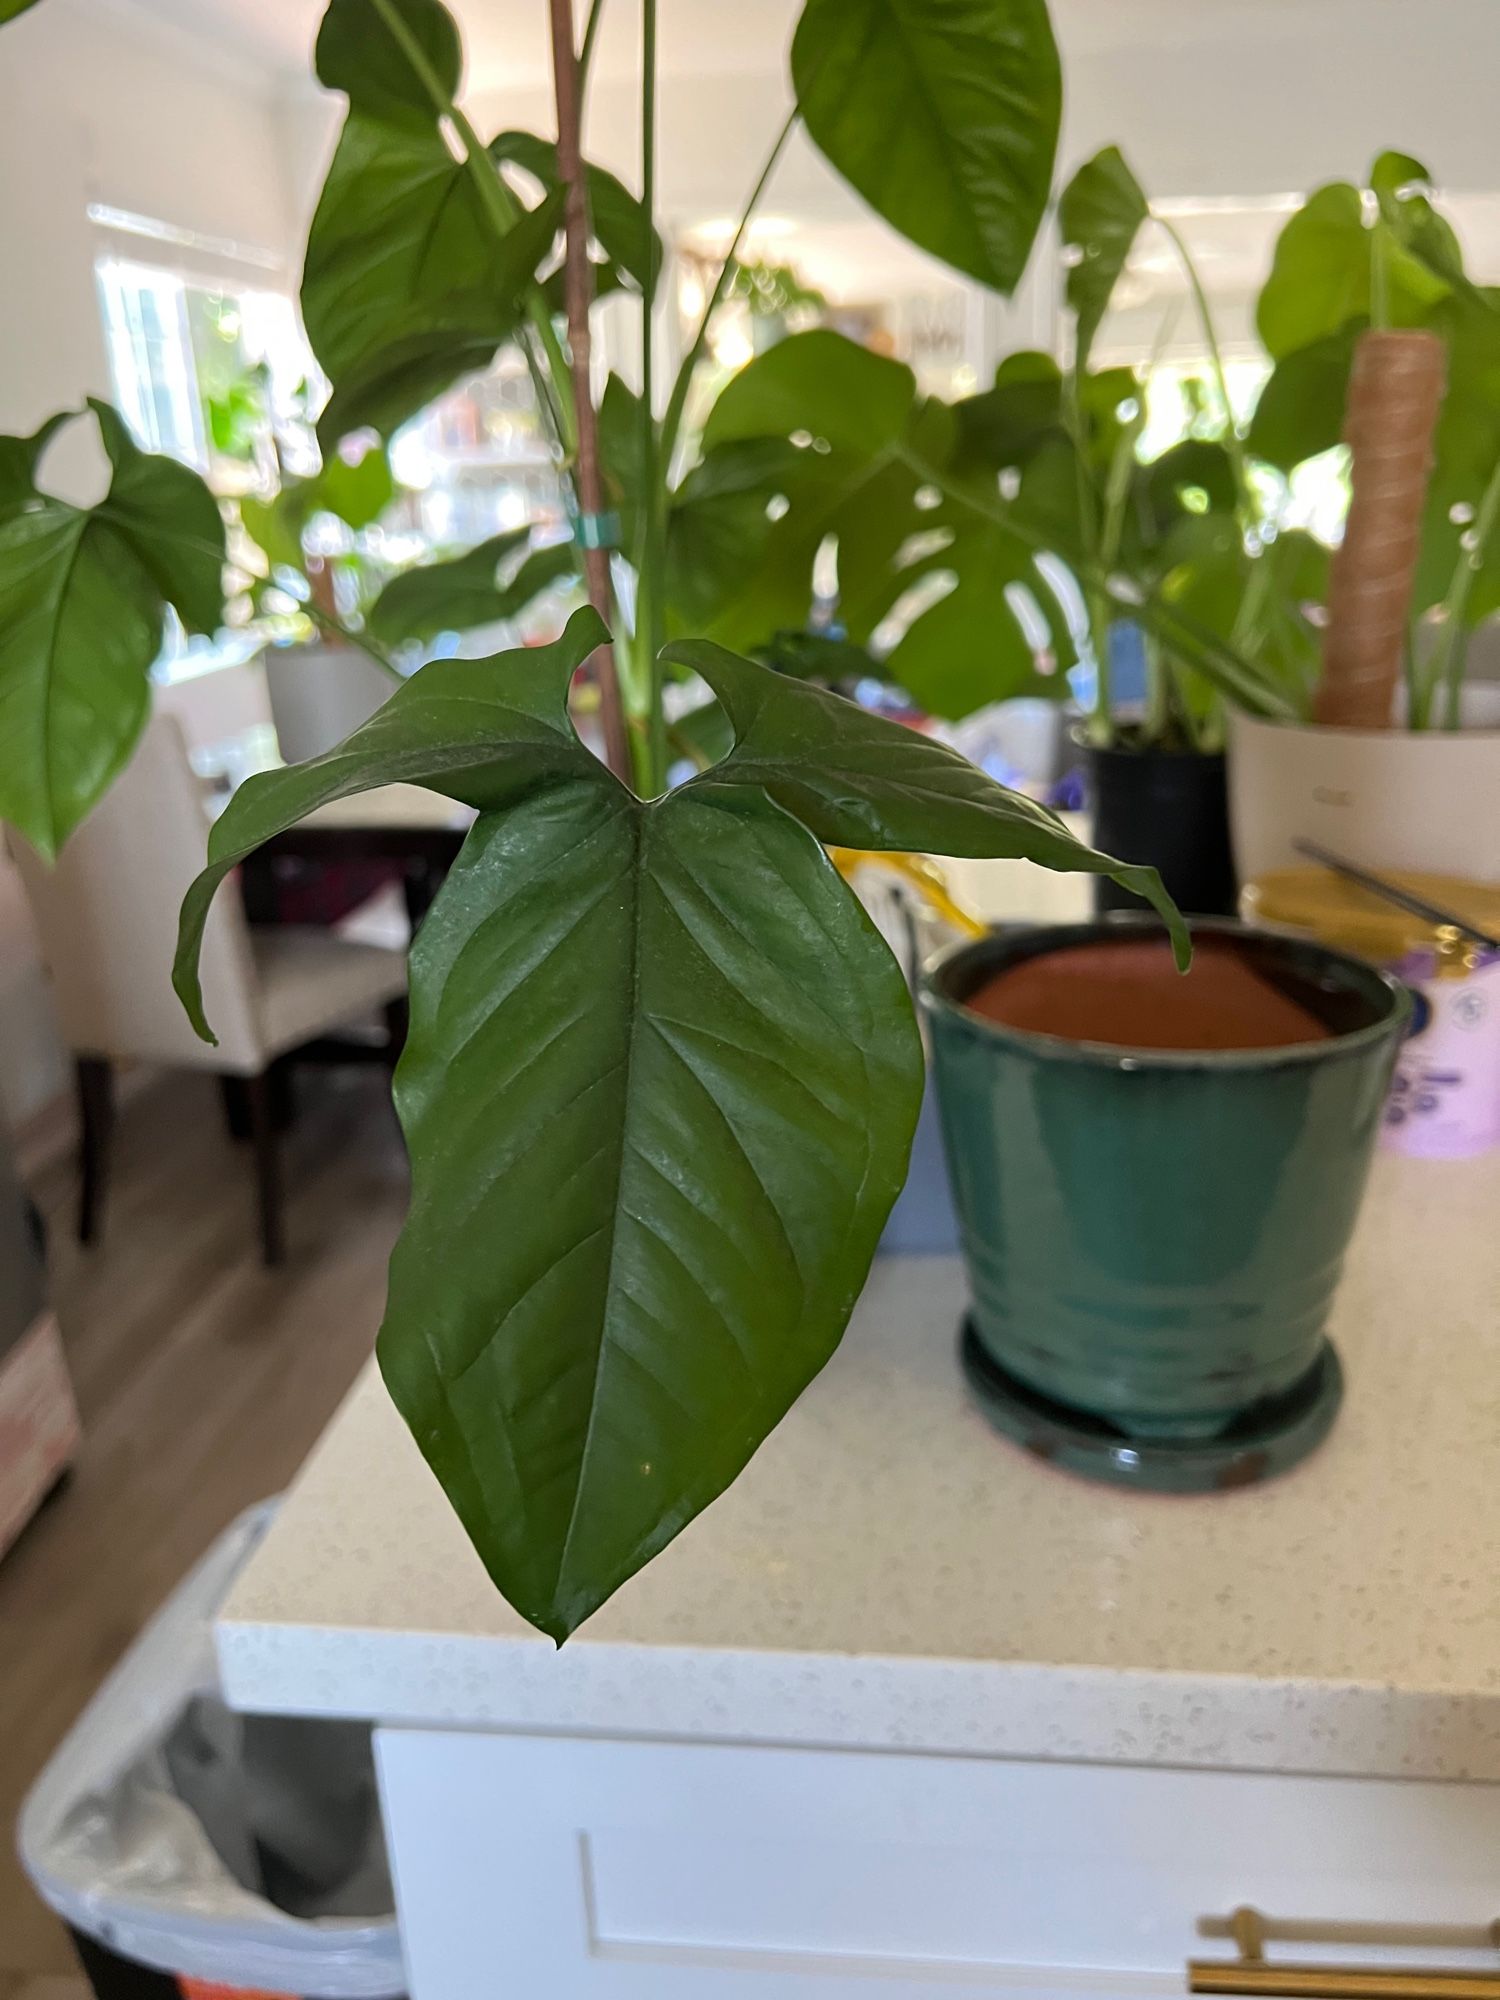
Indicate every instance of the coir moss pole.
{"type": "Point", "coordinates": [1395, 388]}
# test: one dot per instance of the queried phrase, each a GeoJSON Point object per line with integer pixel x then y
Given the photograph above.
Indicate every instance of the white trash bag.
{"type": "Point", "coordinates": [242, 1851]}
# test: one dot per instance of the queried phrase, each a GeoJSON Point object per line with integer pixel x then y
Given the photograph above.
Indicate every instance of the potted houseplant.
{"type": "Point", "coordinates": [1378, 337]}
{"type": "Point", "coordinates": [952, 524]}
{"type": "Point", "coordinates": [662, 1075]}
{"type": "Point", "coordinates": [1156, 1181]}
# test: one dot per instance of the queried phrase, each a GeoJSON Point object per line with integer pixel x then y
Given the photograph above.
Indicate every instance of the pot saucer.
{"type": "Point", "coordinates": [1270, 1437]}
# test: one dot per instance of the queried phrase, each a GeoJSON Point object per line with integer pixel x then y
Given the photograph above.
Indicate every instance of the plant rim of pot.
{"type": "Point", "coordinates": [1115, 1055]}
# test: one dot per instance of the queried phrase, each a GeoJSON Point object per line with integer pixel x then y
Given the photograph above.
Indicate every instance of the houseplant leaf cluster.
{"type": "Point", "coordinates": [662, 1073]}
{"type": "Point", "coordinates": [659, 1090]}
{"type": "Point", "coordinates": [84, 593]}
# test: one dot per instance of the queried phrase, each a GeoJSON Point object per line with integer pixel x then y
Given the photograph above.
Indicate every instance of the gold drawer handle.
{"type": "Point", "coordinates": [1251, 1974]}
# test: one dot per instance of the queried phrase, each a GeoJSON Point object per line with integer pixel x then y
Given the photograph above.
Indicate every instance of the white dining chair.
{"type": "Point", "coordinates": [106, 915]}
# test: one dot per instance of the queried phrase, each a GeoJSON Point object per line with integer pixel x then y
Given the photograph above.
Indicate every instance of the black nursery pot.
{"type": "Point", "coordinates": [1169, 809]}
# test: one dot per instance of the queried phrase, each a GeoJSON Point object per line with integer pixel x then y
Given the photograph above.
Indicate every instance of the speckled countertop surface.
{"type": "Point", "coordinates": [890, 1573]}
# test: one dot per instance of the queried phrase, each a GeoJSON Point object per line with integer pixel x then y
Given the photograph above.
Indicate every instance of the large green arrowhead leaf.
{"type": "Point", "coordinates": [468, 591]}
{"type": "Point", "coordinates": [406, 285]}
{"type": "Point", "coordinates": [819, 382]}
{"type": "Point", "coordinates": [609, 1294]}
{"type": "Point", "coordinates": [483, 732]}
{"type": "Point", "coordinates": [943, 114]}
{"type": "Point", "coordinates": [857, 780]}
{"type": "Point", "coordinates": [1100, 214]}
{"type": "Point", "coordinates": [83, 595]}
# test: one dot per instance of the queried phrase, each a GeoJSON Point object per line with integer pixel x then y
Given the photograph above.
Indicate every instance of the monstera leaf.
{"type": "Point", "coordinates": [407, 285]}
{"type": "Point", "coordinates": [943, 114]}
{"type": "Point", "coordinates": [1100, 214]}
{"type": "Point", "coordinates": [83, 598]}
{"type": "Point", "coordinates": [659, 1089]}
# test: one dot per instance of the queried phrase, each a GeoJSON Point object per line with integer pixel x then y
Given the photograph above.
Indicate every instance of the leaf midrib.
{"type": "Point", "coordinates": [639, 821]}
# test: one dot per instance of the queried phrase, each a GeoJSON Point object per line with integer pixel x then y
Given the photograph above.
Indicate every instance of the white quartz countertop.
{"type": "Point", "coordinates": [889, 1572]}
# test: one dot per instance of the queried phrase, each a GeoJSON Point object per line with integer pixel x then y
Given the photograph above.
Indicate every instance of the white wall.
{"type": "Point", "coordinates": [99, 103]}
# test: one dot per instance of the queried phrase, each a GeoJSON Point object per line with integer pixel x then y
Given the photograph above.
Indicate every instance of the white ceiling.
{"type": "Point", "coordinates": [507, 39]}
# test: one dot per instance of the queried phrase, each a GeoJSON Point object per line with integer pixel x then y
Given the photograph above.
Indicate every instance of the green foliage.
{"type": "Point", "coordinates": [820, 383]}
{"type": "Point", "coordinates": [623, 230]}
{"type": "Point", "coordinates": [943, 114]}
{"type": "Point", "coordinates": [407, 285]}
{"type": "Point", "coordinates": [83, 598]}
{"type": "Point", "coordinates": [479, 588]}
{"type": "Point", "coordinates": [1100, 214]}
{"type": "Point", "coordinates": [12, 10]}
{"type": "Point", "coordinates": [710, 1074]}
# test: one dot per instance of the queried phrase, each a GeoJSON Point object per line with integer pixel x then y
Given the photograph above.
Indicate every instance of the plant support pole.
{"type": "Point", "coordinates": [578, 297]}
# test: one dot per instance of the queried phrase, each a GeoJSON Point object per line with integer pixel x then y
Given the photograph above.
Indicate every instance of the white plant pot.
{"type": "Point", "coordinates": [1426, 800]}
{"type": "Point", "coordinates": [319, 694]}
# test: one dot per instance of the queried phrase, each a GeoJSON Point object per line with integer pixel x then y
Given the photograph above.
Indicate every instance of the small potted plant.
{"type": "Point", "coordinates": [1379, 339]}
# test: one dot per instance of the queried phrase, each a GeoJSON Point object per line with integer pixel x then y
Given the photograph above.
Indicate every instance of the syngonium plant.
{"type": "Point", "coordinates": [662, 1073]}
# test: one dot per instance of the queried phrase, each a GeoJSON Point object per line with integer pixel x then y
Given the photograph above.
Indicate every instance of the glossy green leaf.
{"type": "Point", "coordinates": [480, 588]}
{"type": "Point", "coordinates": [709, 1076]}
{"type": "Point", "coordinates": [943, 114]}
{"type": "Point", "coordinates": [857, 780]}
{"type": "Point", "coordinates": [821, 383]}
{"type": "Point", "coordinates": [357, 53]}
{"type": "Point", "coordinates": [1300, 411]}
{"type": "Point", "coordinates": [1100, 214]}
{"type": "Point", "coordinates": [406, 286]}
{"type": "Point", "coordinates": [617, 218]}
{"type": "Point", "coordinates": [83, 596]}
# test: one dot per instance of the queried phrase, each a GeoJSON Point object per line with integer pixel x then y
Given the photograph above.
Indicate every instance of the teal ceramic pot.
{"type": "Point", "coordinates": [1154, 1237]}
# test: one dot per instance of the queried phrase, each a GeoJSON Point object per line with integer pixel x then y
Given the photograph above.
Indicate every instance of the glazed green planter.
{"type": "Point", "coordinates": [1154, 1237]}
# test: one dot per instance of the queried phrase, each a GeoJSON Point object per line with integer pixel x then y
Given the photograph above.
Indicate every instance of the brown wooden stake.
{"type": "Point", "coordinates": [1395, 390]}
{"type": "Point", "coordinates": [578, 297]}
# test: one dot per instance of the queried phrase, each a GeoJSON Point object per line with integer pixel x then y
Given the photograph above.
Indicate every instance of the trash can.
{"type": "Point", "coordinates": [196, 1854]}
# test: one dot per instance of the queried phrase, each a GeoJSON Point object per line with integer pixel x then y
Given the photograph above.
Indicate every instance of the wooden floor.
{"type": "Point", "coordinates": [202, 1381]}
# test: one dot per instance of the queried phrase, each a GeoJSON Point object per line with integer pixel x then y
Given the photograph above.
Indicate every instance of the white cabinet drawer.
{"type": "Point", "coordinates": [581, 1869]}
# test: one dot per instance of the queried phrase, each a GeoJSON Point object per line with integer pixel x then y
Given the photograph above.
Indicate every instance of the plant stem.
{"type": "Point", "coordinates": [337, 629]}
{"type": "Point", "coordinates": [1233, 444]}
{"type": "Point", "coordinates": [1101, 724]}
{"type": "Point", "coordinates": [1447, 671]}
{"type": "Point", "coordinates": [650, 625]}
{"type": "Point", "coordinates": [590, 35]}
{"type": "Point", "coordinates": [1380, 277]}
{"type": "Point", "coordinates": [578, 293]}
{"type": "Point", "coordinates": [501, 206]}
{"type": "Point", "coordinates": [672, 421]}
